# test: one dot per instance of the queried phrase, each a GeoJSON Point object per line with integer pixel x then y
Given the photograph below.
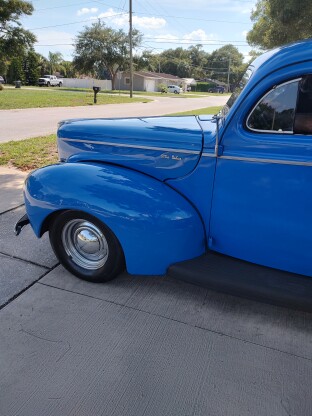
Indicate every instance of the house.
{"type": "Point", "coordinates": [190, 82]}
{"type": "Point", "coordinates": [147, 81]}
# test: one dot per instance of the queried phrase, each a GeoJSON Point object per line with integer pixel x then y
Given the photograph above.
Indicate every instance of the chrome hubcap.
{"type": "Point", "coordinates": [85, 244]}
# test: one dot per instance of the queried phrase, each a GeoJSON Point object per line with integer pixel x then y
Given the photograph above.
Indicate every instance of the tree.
{"type": "Point", "coordinates": [175, 62]}
{"type": "Point", "coordinates": [55, 59]}
{"type": "Point", "coordinates": [99, 47]}
{"type": "Point", "coordinates": [32, 67]}
{"type": "Point", "coordinates": [280, 21]}
{"type": "Point", "coordinates": [16, 71]}
{"type": "Point", "coordinates": [67, 69]}
{"type": "Point", "coordinates": [14, 40]}
{"type": "Point", "coordinates": [226, 61]}
{"type": "Point", "coordinates": [199, 59]}
{"type": "Point", "coordinates": [43, 65]}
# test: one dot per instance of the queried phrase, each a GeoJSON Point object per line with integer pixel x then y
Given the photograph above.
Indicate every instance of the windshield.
{"type": "Point", "coordinates": [237, 90]}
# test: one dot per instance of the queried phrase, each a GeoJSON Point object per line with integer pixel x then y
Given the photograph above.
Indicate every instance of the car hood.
{"type": "Point", "coordinates": [163, 147]}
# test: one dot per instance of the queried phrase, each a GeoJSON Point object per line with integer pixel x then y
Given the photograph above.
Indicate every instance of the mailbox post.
{"type": "Point", "coordinates": [96, 90]}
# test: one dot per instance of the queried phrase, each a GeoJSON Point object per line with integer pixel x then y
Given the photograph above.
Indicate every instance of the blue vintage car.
{"type": "Point", "coordinates": [223, 201]}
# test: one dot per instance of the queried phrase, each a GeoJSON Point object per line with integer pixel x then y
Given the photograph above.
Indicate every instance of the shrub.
{"type": "Point", "coordinates": [162, 88]}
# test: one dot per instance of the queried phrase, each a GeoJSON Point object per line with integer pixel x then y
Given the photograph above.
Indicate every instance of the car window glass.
{"type": "Point", "coordinates": [303, 118]}
{"type": "Point", "coordinates": [276, 110]}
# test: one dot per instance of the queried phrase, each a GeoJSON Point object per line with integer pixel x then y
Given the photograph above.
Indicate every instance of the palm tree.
{"type": "Point", "coordinates": [55, 58]}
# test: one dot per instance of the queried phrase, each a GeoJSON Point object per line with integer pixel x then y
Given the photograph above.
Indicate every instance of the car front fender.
{"type": "Point", "coordinates": [155, 225]}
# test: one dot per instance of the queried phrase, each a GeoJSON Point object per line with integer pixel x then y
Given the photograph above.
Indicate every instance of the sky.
{"type": "Point", "coordinates": [164, 23]}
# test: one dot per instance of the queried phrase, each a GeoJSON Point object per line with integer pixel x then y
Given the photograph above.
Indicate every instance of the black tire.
{"type": "Point", "coordinates": [48, 84]}
{"type": "Point", "coordinates": [60, 84]}
{"type": "Point", "coordinates": [72, 247]}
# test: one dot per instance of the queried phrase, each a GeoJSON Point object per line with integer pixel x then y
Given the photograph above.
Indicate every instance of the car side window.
{"type": "Point", "coordinates": [275, 112]}
{"type": "Point", "coordinates": [303, 117]}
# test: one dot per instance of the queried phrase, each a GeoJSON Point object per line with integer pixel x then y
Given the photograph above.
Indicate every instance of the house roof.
{"type": "Point", "coordinates": [190, 81]}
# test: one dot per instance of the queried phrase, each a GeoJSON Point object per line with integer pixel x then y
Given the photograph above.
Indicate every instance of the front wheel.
{"type": "Point", "coordinates": [86, 247]}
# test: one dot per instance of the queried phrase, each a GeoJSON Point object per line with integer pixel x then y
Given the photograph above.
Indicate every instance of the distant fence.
{"type": "Point", "coordinates": [105, 84]}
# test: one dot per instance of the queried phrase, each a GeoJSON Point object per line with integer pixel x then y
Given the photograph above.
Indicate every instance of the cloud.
{"type": "Point", "coordinates": [86, 10]}
{"type": "Point", "coordinates": [152, 23]}
{"type": "Point", "coordinates": [235, 6]}
{"type": "Point", "coordinates": [244, 33]}
{"type": "Point", "coordinates": [122, 20]}
{"type": "Point", "coordinates": [199, 35]}
{"type": "Point", "coordinates": [168, 37]}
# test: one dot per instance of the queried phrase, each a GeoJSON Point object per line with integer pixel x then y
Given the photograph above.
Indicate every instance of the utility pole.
{"type": "Point", "coordinates": [130, 43]}
{"type": "Point", "coordinates": [228, 75]}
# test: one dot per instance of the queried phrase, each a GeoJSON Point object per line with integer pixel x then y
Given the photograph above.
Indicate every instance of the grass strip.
{"type": "Point", "coordinates": [200, 111]}
{"type": "Point", "coordinates": [15, 98]}
{"type": "Point", "coordinates": [29, 154]}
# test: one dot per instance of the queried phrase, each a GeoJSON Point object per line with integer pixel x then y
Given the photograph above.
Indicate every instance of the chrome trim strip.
{"type": "Point", "coordinates": [133, 146]}
{"type": "Point", "coordinates": [276, 161]}
{"type": "Point", "coordinates": [208, 155]}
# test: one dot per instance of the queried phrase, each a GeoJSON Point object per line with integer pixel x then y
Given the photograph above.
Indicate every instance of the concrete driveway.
{"type": "Point", "coordinates": [33, 122]}
{"type": "Point", "coordinates": [138, 346]}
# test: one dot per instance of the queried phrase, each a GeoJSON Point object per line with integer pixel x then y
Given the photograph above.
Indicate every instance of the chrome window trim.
{"type": "Point", "coordinates": [275, 161]}
{"type": "Point", "coordinates": [209, 154]}
{"type": "Point", "coordinates": [133, 146]}
{"type": "Point", "coordinates": [259, 160]}
{"type": "Point", "coordinates": [262, 98]}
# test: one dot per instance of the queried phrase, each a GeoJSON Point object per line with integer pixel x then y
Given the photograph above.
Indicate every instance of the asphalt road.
{"type": "Point", "coordinates": [33, 122]}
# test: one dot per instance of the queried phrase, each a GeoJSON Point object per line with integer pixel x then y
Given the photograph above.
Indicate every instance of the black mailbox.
{"type": "Point", "coordinates": [96, 90]}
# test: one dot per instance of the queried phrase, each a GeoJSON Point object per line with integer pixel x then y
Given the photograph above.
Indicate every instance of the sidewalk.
{"type": "Point", "coordinates": [137, 346]}
{"type": "Point", "coordinates": [11, 184]}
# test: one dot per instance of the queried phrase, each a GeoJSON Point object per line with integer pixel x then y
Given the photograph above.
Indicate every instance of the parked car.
{"type": "Point", "coordinates": [2, 80]}
{"type": "Point", "coordinates": [217, 89]}
{"type": "Point", "coordinates": [175, 89]}
{"type": "Point", "coordinates": [50, 81]}
{"type": "Point", "coordinates": [223, 201]}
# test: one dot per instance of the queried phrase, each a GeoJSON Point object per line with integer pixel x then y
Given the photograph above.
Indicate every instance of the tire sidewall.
{"type": "Point", "coordinates": [114, 263]}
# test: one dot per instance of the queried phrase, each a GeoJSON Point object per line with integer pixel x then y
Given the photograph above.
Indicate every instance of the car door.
{"type": "Point", "coordinates": [262, 201]}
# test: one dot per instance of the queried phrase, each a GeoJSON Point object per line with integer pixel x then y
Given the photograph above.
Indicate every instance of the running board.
{"type": "Point", "coordinates": [240, 278]}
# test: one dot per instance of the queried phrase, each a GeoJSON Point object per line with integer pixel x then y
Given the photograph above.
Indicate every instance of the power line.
{"type": "Point", "coordinates": [140, 13]}
{"type": "Point", "coordinates": [77, 22]}
{"type": "Point", "coordinates": [195, 40]}
{"type": "Point", "coordinates": [66, 5]}
{"type": "Point", "coordinates": [149, 47]}
{"type": "Point", "coordinates": [191, 42]}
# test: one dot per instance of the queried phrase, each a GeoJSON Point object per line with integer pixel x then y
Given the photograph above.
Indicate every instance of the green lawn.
{"type": "Point", "coordinates": [12, 98]}
{"type": "Point", "coordinates": [206, 110]}
{"type": "Point", "coordinates": [30, 153]}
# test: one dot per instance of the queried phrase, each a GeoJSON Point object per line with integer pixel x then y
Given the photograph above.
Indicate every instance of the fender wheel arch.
{"type": "Point", "coordinates": [86, 246]}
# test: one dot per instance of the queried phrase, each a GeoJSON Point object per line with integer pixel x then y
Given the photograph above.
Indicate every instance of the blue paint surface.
{"type": "Point", "coordinates": [155, 225]}
{"type": "Point", "coordinates": [157, 183]}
